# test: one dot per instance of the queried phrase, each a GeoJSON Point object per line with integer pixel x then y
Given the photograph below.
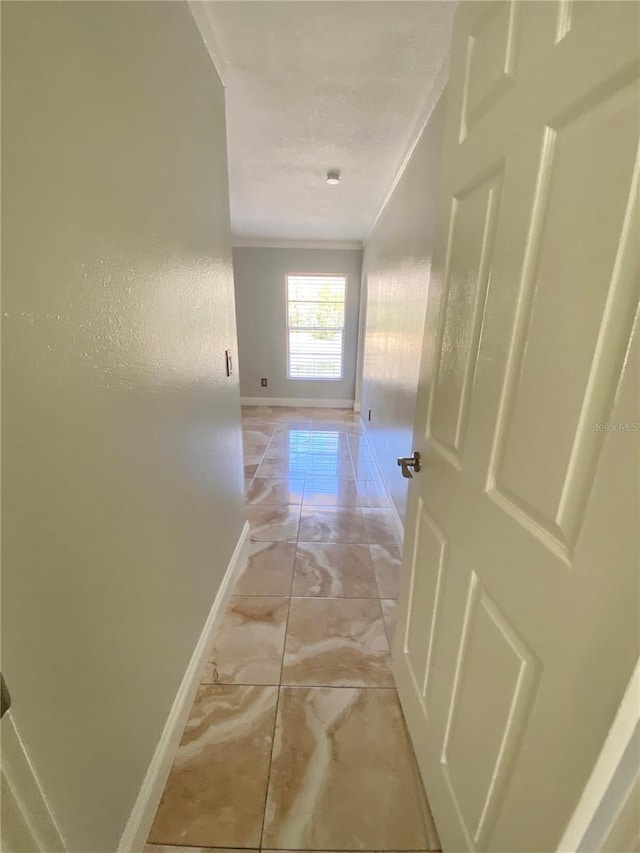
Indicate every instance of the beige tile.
{"type": "Point", "coordinates": [215, 791]}
{"type": "Point", "coordinates": [360, 452]}
{"type": "Point", "coordinates": [272, 492]}
{"type": "Point", "coordinates": [163, 848]}
{"type": "Point", "coordinates": [364, 470]}
{"type": "Point", "coordinates": [332, 525]}
{"type": "Point", "coordinates": [291, 440]}
{"type": "Point", "coordinates": [359, 448]}
{"type": "Point", "coordinates": [250, 470]}
{"type": "Point", "coordinates": [248, 648]}
{"type": "Point", "coordinates": [285, 453]}
{"type": "Point", "coordinates": [371, 493]}
{"type": "Point", "coordinates": [256, 437]}
{"type": "Point", "coordinates": [329, 466]}
{"type": "Point", "coordinates": [329, 442]}
{"type": "Point", "coordinates": [279, 468]}
{"type": "Point", "coordinates": [334, 571]}
{"type": "Point", "coordinates": [273, 523]}
{"type": "Point", "coordinates": [336, 641]}
{"type": "Point", "coordinates": [334, 419]}
{"type": "Point", "coordinates": [252, 456]}
{"type": "Point", "coordinates": [380, 527]}
{"type": "Point", "coordinates": [266, 568]}
{"type": "Point", "coordinates": [258, 422]}
{"type": "Point", "coordinates": [286, 413]}
{"type": "Point", "coordinates": [342, 775]}
{"type": "Point", "coordinates": [264, 427]}
{"type": "Point", "coordinates": [254, 448]}
{"type": "Point", "coordinates": [294, 423]}
{"type": "Point", "coordinates": [253, 452]}
{"type": "Point", "coordinates": [387, 562]}
{"type": "Point", "coordinates": [342, 426]}
{"type": "Point", "coordinates": [390, 615]}
{"type": "Point", "coordinates": [329, 491]}
{"type": "Point", "coordinates": [327, 426]}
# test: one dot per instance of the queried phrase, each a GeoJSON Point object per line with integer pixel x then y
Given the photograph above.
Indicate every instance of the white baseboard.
{"type": "Point", "coordinates": [357, 407]}
{"type": "Point", "coordinates": [302, 402]}
{"type": "Point", "coordinates": [397, 521]}
{"type": "Point", "coordinates": [144, 809]}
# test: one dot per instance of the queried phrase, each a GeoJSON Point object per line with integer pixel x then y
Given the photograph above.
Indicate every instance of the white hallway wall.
{"type": "Point", "coordinates": [396, 267]}
{"type": "Point", "coordinates": [122, 458]}
{"type": "Point", "coordinates": [260, 283]}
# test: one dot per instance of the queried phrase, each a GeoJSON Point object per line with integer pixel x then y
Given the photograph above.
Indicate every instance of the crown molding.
{"type": "Point", "coordinates": [248, 243]}
{"type": "Point", "coordinates": [199, 12]}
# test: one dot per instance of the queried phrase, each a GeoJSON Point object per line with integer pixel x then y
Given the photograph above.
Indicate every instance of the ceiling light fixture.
{"type": "Point", "coordinates": [333, 176]}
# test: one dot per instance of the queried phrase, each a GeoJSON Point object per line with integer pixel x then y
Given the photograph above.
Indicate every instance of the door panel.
{"type": "Point", "coordinates": [582, 193]}
{"type": "Point", "coordinates": [428, 572]}
{"type": "Point", "coordinates": [518, 614]}
{"type": "Point", "coordinates": [490, 61]}
{"type": "Point", "coordinates": [492, 693]}
{"type": "Point", "coordinates": [471, 235]}
{"type": "Point", "coordinates": [27, 824]}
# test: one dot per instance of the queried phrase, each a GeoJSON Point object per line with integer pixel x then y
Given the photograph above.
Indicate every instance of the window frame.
{"type": "Point", "coordinates": [287, 328]}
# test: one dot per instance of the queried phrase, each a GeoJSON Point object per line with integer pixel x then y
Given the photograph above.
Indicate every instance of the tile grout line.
{"type": "Point", "coordinates": [275, 719]}
{"type": "Point", "coordinates": [275, 716]}
{"type": "Point", "coordinates": [268, 780]}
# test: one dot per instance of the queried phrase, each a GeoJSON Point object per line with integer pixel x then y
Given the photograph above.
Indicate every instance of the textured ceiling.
{"type": "Point", "coordinates": [319, 85]}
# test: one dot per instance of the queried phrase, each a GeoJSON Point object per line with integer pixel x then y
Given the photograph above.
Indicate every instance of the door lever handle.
{"type": "Point", "coordinates": [406, 462]}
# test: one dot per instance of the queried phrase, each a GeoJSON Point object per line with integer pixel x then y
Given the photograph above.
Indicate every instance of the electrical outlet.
{"type": "Point", "coordinates": [369, 417]}
{"type": "Point", "coordinates": [263, 382]}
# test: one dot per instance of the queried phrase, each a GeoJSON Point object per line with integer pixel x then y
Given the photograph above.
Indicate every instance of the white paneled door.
{"type": "Point", "coordinates": [518, 627]}
{"type": "Point", "coordinates": [27, 824]}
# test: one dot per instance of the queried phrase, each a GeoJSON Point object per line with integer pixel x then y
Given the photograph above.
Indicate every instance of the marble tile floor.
{"type": "Point", "coordinates": [296, 739]}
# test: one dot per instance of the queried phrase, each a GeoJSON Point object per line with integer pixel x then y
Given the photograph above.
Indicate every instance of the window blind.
{"type": "Point", "coordinates": [315, 326]}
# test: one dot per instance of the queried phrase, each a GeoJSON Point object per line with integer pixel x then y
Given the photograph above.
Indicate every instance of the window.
{"type": "Point", "coordinates": [315, 326]}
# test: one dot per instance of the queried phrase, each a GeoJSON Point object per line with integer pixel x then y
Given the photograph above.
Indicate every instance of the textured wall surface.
{"type": "Point", "coordinates": [396, 265]}
{"type": "Point", "coordinates": [260, 279]}
{"type": "Point", "coordinates": [122, 480]}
